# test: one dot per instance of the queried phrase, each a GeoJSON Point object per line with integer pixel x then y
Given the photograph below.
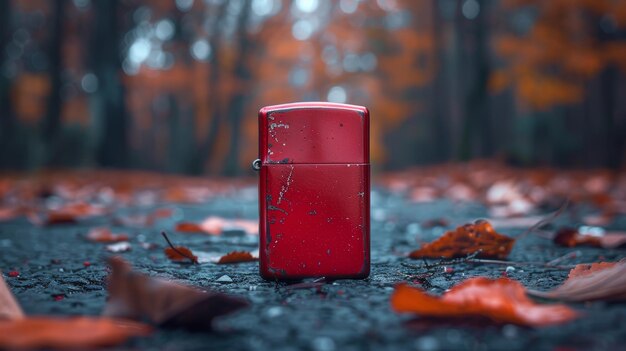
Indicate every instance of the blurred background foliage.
{"type": "Point", "coordinates": [175, 85]}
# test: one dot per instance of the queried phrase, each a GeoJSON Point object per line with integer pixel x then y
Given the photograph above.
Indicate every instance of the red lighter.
{"type": "Point", "coordinates": [314, 191]}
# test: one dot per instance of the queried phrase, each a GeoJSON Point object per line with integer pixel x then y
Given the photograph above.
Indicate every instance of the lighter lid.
{"type": "Point", "coordinates": [314, 132]}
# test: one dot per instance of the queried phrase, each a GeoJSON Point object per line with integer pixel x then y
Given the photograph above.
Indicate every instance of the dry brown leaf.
{"type": "Point", "coordinates": [570, 237]}
{"type": "Point", "coordinates": [165, 303]}
{"type": "Point", "coordinates": [236, 257]}
{"type": "Point", "coordinates": [104, 235]}
{"type": "Point", "coordinates": [502, 300]}
{"type": "Point", "coordinates": [64, 333]}
{"type": "Point", "coordinates": [587, 282]}
{"type": "Point", "coordinates": [217, 225]}
{"type": "Point", "coordinates": [180, 254]}
{"type": "Point", "coordinates": [9, 308]}
{"type": "Point", "coordinates": [465, 240]}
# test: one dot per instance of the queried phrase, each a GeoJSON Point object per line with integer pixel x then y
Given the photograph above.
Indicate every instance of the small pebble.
{"type": "Point", "coordinates": [510, 269]}
{"type": "Point", "coordinates": [224, 279]}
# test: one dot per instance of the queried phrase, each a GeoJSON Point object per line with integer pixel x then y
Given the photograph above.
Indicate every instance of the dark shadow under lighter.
{"type": "Point", "coordinates": [314, 191]}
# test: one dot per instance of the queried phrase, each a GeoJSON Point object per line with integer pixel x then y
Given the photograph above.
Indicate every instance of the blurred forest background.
{"type": "Point", "coordinates": [175, 85]}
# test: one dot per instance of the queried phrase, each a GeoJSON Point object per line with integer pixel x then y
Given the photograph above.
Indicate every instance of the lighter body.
{"type": "Point", "coordinates": [314, 191]}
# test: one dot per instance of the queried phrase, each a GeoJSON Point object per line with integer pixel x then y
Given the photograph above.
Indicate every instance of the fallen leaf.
{"type": "Point", "coordinates": [9, 308]}
{"type": "Point", "coordinates": [164, 303]}
{"type": "Point", "coordinates": [465, 240]}
{"type": "Point", "coordinates": [188, 227]}
{"type": "Point", "coordinates": [588, 282]}
{"type": "Point", "coordinates": [104, 235]}
{"type": "Point", "coordinates": [237, 257]}
{"type": "Point", "coordinates": [143, 220]}
{"type": "Point", "coordinates": [502, 300]}
{"type": "Point", "coordinates": [119, 247]}
{"type": "Point", "coordinates": [217, 225]}
{"type": "Point", "coordinates": [570, 237]}
{"type": "Point", "coordinates": [75, 333]}
{"type": "Point", "coordinates": [9, 213]}
{"type": "Point", "coordinates": [180, 254]}
{"type": "Point", "coordinates": [69, 213]}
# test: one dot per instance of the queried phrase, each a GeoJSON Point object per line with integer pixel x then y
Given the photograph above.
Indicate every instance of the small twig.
{"type": "Point", "coordinates": [545, 221]}
{"type": "Point", "coordinates": [568, 255]}
{"type": "Point", "coordinates": [194, 261]}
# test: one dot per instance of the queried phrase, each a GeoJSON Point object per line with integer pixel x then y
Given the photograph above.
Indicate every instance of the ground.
{"type": "Point", "coordinates": [343, 315]}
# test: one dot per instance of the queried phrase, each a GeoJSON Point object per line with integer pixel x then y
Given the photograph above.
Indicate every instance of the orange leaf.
{"type": "Point", "coordinates": [570, 237]}
{"type": "Point", "coordinates": [236, 257]}
{"type": "Point", "coordinates": [465, 240]}
{"type": "Point", "coordinates": [104, 235]}
{"type": "Point", "coordinates": [9, 308]}
{"type": "Point", "coordinates": [502, 300]}
{"type": "Point", "coordinates": [188, 227]}
{"type": "Point", "coordinates": [78, 332]}
{"type": "Point", "coordinates": [180, 254]}
{"type": "Point", "coordinates": [587, 282]}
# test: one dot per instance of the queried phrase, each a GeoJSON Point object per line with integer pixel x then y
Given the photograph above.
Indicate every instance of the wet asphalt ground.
{"type": "Point", "coordinates": [60, 273]}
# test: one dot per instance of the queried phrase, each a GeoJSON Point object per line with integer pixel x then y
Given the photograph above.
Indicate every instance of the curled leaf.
{"type": "Point", "coordinates": [570, 237]}
{"type": "Point", "coordinates": [161, 302]}
{"type": "Point", "coordinates": [501, 300]}
{"type": "Point", "coordinates": [104, 235]}
{"type": "Point", "coordinates": [468, 239]}
{"type": "Point", "coordinates": [75, 333]}
{"type": "Point", "coordinates": [587, 282]}
{"type": "Point", "coordinates": [180, 254]}
{"type": "Point", "coordinates": [236, 257]}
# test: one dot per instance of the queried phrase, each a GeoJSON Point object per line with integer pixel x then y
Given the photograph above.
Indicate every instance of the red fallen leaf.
{"type": "Point", "coordinates": [188, 227]}
{"type": "Point", "coordinates": [69, 213]}
{"type": "Point", "coordinates": [104, 235]}
{"type": "Point", "coordinates": [468, 239]}
{"type": "Point", "coordinates": [9, 308]}
{"type": "Point", "coordinates": [502, 300]}
{"type": "Point", "coordinates": [216, 225]}
{"type": "Point", "coordinates": [570, 237]}
{"type": "Point", "coordinates": [587, 282]}
{"type": "Point", "coordinates": [236, 257]}
{"type": "Point", "coordinates": [75, 333]}
{"type": "Point", "coordinates": [180, 254]}
{"type": "Point", "coordinates": [13, 274]}
{"type": "Point", "coordinates": [164, 303]}
{"type": "Point", "coordinates": [8, 213]}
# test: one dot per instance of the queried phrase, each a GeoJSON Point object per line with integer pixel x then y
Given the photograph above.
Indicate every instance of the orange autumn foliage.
{"type": "Point", "coordinates": [501, 300]}
{"type": "Point", "coordinates": [551, 63]}
{"type": "Point", "coordinates": [604, 281]}
{"type": "Point", "coordinates": [75, 333]}
{"type": "Point", "coordinates": [180, 254]}
{"type": "Point", "coordinates": [105, 235]}
{"type": "Point", "coordinates": [236, 257]}
{"type": "Point", "coordinates": [465, 240]}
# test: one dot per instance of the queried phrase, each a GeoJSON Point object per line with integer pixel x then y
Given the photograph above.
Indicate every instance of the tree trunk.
{"type": "Point", "coordinates": [207, 147]}
{"type": "Point", "coordinates": [112, 148]}
{"type": "Point", "coordinates": [52, 121]}
{"type": "Point", "coordinates": [236, 105]}
{"type": "Point", "coordinates": [476, 139]}
{"type": "Point", "coordinates": [7, 119]}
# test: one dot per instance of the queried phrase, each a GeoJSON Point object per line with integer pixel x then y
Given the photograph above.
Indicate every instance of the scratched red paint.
{"type": "Point", "coordinates": [314, 191]}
